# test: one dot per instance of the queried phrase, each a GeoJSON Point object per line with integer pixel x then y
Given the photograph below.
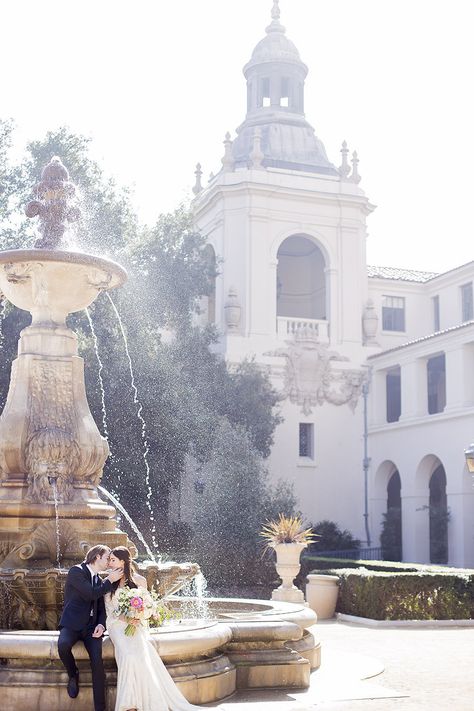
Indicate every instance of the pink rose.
{"type": "Point", "coordinates": [136, 602]}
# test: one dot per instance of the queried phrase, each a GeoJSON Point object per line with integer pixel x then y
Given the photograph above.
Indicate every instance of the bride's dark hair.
{"type": "Point", "coordinates": [122, 553]}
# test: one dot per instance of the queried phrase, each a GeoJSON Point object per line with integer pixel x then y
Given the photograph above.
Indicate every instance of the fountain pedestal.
{"type": "Point", "coordinates": [51, 452]}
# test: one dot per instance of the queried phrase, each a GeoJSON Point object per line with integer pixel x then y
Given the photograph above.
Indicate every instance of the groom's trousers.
{"type": "Point", "coordinates": [67, 639]}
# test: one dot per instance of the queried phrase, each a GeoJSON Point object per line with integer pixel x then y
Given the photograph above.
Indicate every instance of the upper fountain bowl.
{"type": "Point", "coordinates": [50, 284]}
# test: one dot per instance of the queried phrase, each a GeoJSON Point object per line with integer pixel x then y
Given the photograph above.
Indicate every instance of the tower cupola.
{"type": "Point", "coordinates": [275, 73]}
{"type": "Point", "coordinates": [275, 78]}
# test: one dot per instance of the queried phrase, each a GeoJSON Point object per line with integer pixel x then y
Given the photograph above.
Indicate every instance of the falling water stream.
{"type": "Point", "coordinates": [132, 523]}
{"type": "Point", "coordinates": [113, 497]}
{"type": "Point", "coordinates": [139, 407]}
{"type": "Point", "coordinates": [196, 606]}
{"type": "Point", "coordinates": [3, 307]}
{"type": "Point", "coordinates": [99, 374]}
{"type": "Point", "coordinates": [56, 512]}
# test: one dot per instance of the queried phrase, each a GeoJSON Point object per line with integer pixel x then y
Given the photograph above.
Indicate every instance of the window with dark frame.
{"type": "Point", "coordinates": [467, 302]}
{"type": "Point", "coordinates": [393, 313]}
{"type": "Point", "coordinates": [436, 376]}
{"type": "Point", "coordinates": [306, 441]}
{"type": "Point", "coordinates": [394, 395]}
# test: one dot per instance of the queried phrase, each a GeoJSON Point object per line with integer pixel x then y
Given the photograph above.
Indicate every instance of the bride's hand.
{"type": "Point", "coordinates": [115, 575]}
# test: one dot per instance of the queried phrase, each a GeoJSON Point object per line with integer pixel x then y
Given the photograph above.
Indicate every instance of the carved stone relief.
{"type": "Point", "coordinates": [51, 450]}
{"type": "Point", "coordinates": [311, 378]}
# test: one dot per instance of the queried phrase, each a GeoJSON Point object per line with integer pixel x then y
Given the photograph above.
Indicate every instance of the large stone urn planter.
{"type": "Point", "coordinates": [288, 566]}
{"type": "Point", "coordinates": [321, 595]}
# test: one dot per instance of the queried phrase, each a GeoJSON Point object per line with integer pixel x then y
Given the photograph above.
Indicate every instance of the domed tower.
{"type": "Point", "coordinates": [288, 231]}
{"type": "Point", "coordinates": [275, 78]}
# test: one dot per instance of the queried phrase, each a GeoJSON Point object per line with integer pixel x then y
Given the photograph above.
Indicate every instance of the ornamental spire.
{"type": "Point", "coordinates": [355, 177]}
{"type": "Point", "coordinates": [275, 25]}
{"type": "Point", "coordinates": [344, 168]}
{"type": "Point", "coordinates": [197, 185]}
{"type": "Point", "coordinates": [227, 159]}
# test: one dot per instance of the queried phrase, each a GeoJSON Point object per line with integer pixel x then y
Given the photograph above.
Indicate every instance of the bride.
{"type": "Point", "coordinates": [143, 682]}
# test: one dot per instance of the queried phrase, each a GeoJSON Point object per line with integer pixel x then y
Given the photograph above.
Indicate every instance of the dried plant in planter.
{"type": "Point", "coordinates": [287, 529]}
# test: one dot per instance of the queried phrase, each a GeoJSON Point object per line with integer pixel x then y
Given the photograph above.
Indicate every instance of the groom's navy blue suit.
{"type": "Point", "coordinates": [84, 609]}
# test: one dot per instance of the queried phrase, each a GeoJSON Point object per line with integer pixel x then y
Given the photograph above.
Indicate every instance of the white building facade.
{"type": "Point", "coordinates": [294, 292]}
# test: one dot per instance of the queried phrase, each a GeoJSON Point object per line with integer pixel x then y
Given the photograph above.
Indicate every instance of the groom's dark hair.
{"type": "Point", "coordinates": [94, 553]}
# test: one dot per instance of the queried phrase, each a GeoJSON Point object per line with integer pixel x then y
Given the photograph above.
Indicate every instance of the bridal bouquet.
{"type": "Point", "coordinates": [140, 606]}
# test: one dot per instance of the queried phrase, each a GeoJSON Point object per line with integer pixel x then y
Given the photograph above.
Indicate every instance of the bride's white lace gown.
{"type": "Point", "coordinates": [143, 682]}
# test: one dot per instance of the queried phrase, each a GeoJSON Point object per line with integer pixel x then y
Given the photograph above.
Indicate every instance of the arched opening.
{"type": "Point", "coordinates": [439, 516]}
{"type": "Point", "coordinates": [391, 537]}
{"type": "Point", "coordinates": [301, 281]}
{"type": "Point", "coordinates": [208, 303]}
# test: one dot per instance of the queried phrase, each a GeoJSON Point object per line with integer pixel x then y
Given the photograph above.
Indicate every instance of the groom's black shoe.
{"type": "Point", "coordinates": [73, 686]}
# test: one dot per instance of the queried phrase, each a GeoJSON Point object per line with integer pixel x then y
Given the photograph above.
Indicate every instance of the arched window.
{"type": "Point", "coordinates": [439, 517]}
{"type": "Point", "coordinates": [392, 526]}
{"type": "Point", "coordinates": [301, 281]}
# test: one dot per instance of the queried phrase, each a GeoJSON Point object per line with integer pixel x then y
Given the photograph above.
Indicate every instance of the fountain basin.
{"type": "Point", "coordinates": [252, 644]}
{"type": "Point", "coordinates": [50, 284]}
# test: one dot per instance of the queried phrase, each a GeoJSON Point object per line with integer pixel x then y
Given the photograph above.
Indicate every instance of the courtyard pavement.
{"type": "Point", "coordinates": [375, 669]}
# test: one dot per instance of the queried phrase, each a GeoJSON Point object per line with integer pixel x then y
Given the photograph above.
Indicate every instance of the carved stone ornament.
{"type": "Point", "coordinates": [100, 279]}
{"type": "Point", "coordinates": [311, 379]}
{"type": "Point", "coordinates": [52, 451]}
{"type": "Point", "coordinates": [53, 204]}
{"type": "Point", "coordinates": [44, 545]}
{"type": "Point", "coordinates": [232, 310]}
{"type": "Point", "coordinates": [370, 322]}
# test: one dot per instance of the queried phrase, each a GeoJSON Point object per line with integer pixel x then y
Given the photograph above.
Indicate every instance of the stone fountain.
{"type": "Point", "coordinates": [51, 452]}
{"type": "Point", "coordinates": [51, 461]}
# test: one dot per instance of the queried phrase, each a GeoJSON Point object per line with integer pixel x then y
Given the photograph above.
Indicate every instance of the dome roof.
{"type": "Point", "coordinates": [275, 47]}
{"type": "Point", "coordinates": [287, 142]}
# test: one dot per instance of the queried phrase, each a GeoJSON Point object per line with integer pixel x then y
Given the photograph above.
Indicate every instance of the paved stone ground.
{"type": "Point", "coordinates": [375, 669]}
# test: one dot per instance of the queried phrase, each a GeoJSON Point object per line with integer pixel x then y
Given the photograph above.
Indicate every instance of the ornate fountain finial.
{"type": "Point", "coordinates": [197, 185]}
{"type": "Point", "coordinates": [52, 204]}
{"type": "Point", "coordinates": [275, 10]}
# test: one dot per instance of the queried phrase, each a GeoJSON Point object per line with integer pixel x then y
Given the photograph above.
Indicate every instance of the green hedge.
{"type": "Point", "coordinates": [421, 595]}
{"type": "Point", "coordinates": [321, 564]}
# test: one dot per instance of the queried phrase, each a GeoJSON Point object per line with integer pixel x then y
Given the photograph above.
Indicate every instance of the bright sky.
{"type": "Point", "coordinates": [157, 83]}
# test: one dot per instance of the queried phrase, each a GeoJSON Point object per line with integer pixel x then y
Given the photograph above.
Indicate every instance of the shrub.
{"type": "Point", "coordinates": [331, 538]}
{"type": "Point", "coordinates": [391, 536]}
{"type": "Point", "coordinates": [439, 519]}
{"type": "Point", "coordinates": [419, 595]}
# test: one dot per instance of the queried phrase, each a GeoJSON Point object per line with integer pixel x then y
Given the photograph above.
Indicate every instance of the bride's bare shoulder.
{"type": "Point", "coordinates": [140, 580]}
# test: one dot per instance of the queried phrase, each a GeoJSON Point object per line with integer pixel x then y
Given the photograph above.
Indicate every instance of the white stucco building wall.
{"type": "Point", "coordinates": [294, 292]}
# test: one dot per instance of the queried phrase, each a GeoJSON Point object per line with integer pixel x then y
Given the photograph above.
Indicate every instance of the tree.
{"type": "Point", "coordinates": [184, 389]}
{"type": "Point", "coordinates": [236, 501]}
{"type": "Point", "coordinates": [12, 192]}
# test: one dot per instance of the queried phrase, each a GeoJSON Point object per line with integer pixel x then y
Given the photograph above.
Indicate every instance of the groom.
{"type": "Point", "coordinates": [83, 618]}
